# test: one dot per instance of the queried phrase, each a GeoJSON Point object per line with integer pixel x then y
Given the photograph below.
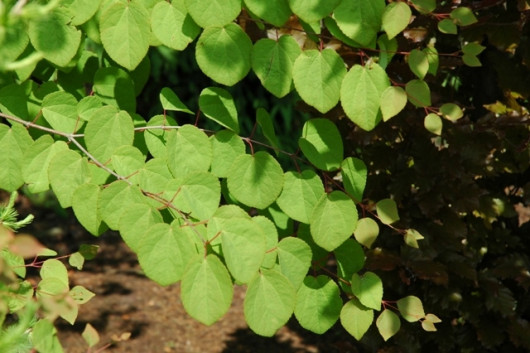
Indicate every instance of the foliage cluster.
{"type": "Point", "coordinates": [28, 308]}
{"type": "Point", "coordinates": [211, 208]}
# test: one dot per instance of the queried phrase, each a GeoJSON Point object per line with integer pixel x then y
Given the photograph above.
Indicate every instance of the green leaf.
{"type": "Point", "coordinates": [271, 240]}
{"type": "Point", "coordinates": [359, 19]}
{"type": "Point", "coordinates": [433, 58]}
{"type": "Point", "coordinates": [360, 94]}
{"type": "Point", "coordinates": [76, 260]}
{"type": "Point", "coordinates": [67, 171]}
{"type": "Point", "coordinates": [356, 318]}
{"type": "Point", "coordinates": [209, 13]}
{"type": "Point", "coordinates": [428, 323]}
{"type": "Point", "coordinates": [226, 147]}
{"type": "Point", "coordinates": [366, 232]}
{"type": "Point", "coordinates": [451, 111]}
{"type": "Point", "coordinates": [14, 101]}
{"type": "Point", "coordinates": [321, 88]}
{"type": "Point", "coordinates": [206, 289]}
{"type": "Point", "coordinates": [36, 161]}
{"type": "Point", "coordinates": [301, 191]}
{"type": "Point", "coordinates": [473, 48]}
{"type": "Point", "coordinates": [321, 143]}
{"type": "Point", "coordinates": [418, 63]}
{"type": "Point", "coordinates": [354, 175]}
{"type": "Point", "coordinates": [350, 260]}
{"type": "Point", "coordinates": [136, 218]}
{"type": "Point", "coordinates": [313, 10]}
{"type": "Point", "coordinates": [188, 150]}
{"type": "Point", "coordinates": [53, 268]}
{"type": "Point", "coordinates": [156, 139]}
{"type": "Point", "coordinates": [411, 238]}
{"type": "Point", "coordinates": [396, 18]}
{"type": "Point", "coordinates": [388, 48]}
{"type": "Point", "coordinates": [88, 251]}
{"type": "Point", "coordinates": [393, 101]}
{"type": "Point", "coordinates": [223, 53]}
{"type": "Point", "coordinates": [218, 105]}
{"type": "Point", "coordinates": [90, 335]}
{"type": "Point", "coordinates": [269, 302]}
{"type": "Point", "coordinates": [114, 199]}
{"type": "Point", "coordinates": [318, 304]}
{"type": "Point", "coordinates": [388, 324]}
{"type": "Point", "coordinates": [411, 308]}
{"type": "Point", "coordinates": [164, 252]}
{"type": "Point", "coordinates": [127, 162]}
{"type": "Point", "coordinates": [16, 140]}
{"type": "Point", "coordinates": [433, 123]}
{"type": "Point", "coordinates": [52, 35]}
{"type": "Point", "coordinates": [44, 337]}
{"type": "Point", "coordinates": [115, 87]}
{"type": "Point", "coordinates": [387, 211]}
{"type": "Point", "coordinates": [223, 214]}
{"type": "Point", "coordinates": [106, 131]}
{"type": "Point", "coordinates": [60, 111]}
{"type": "Point", "coordinates": [267, 127]}
{"type": "Point", "coordinates": [85, 203]}
{"type": "Point", "coordinates": [424, 6]}
{"type": "Point", "coordinates": [447, 26]}
{"type": "Point", "coordinates": [243, 244]}
{"type": "Point", "coordinates": [333, 220]}
{"type": "Point", "coordinates": [471, 60]}
{"type": "Point", "coordinates": [197, 194]}
{"type": "Point", "coordinates": [87, 106]}
{"type": "Point", "coordinates": [418, 93]}
{"type": "Point", "coordinates": [81, 295]}
{"type": "Point", "coordinates": [14, 261]}
{"type": "Point", "coordinates": [125, 32]}
{"type": "Point", "coordinates": [368, 288]}
{"type": "Point", "coordinates": [170, 101]}
{"type": "Point", "coordinates": [172, 25]}
{"type": "Point", "coordinates": [272, 61]}
{"type": "Point", "coordinates": [294, 256]}
{"type": "Point", "coordinates": [83, 10]}
{"type": "Point", "coordinates": [276, 12]}
{"type": "Point", "coordinates": [463, 16]}
{"type": "Point", "coordinates": [154, 176]}
{"type": "Point", "coordinates": [255, 181]}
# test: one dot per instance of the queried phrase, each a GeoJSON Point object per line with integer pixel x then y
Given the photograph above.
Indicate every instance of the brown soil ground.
{"type": "Point", "coordinates": [127, 303]}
